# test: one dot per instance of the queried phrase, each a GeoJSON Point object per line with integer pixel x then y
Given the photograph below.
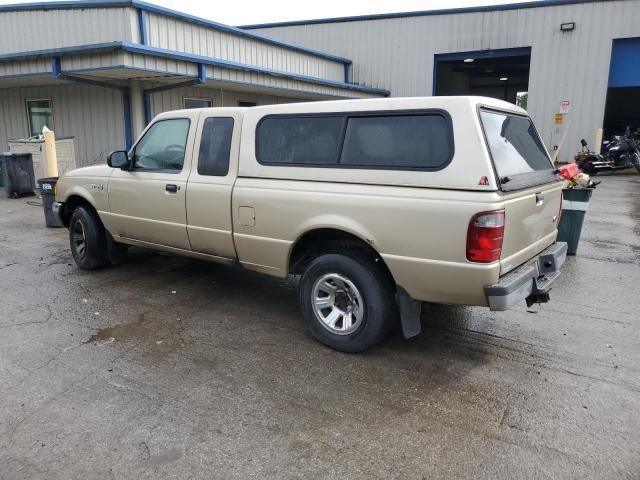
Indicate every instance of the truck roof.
{"type": "Point", "coordinates": [393, 103]}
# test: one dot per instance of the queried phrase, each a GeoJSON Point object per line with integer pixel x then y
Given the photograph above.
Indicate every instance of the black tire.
{"type": "Point", "coordinates": [373, 286]}
{"type": "Point", "coordinates": [93, 253]}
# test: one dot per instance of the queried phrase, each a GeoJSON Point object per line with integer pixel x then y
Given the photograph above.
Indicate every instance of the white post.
{"type": "Point", "coordinates": [51, 158]}
{"type": "Point", "coordinates": [598, 141]}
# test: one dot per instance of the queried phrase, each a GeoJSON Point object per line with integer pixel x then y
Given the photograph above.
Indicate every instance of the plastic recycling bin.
{"type": "Point", "coordinates": [17, 174]}
{"type": "Point", "coordinates": [48, 192]}
{"type": "Point", "coordinates": [574, 208]}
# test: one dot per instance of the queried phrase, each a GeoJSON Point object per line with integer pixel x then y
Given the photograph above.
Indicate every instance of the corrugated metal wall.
{"type": "Point", "coordinates": [173, 99]}
{"type": "Point", "coordinates": [175, 34]}
{"type": "Point", "coordinates": [93, 115]}
{"type": "Point", "coordinates": [398, 54]}
{"type": "Point", "coordinates": [42, 29]}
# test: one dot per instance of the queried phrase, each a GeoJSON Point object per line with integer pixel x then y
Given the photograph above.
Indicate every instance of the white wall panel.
{"type": "Point", "coordinates": [174, 34]}
{"type": "Point", "coordinates": [24, 31]}
{"type": "Point", "coordinates": [398, 54]}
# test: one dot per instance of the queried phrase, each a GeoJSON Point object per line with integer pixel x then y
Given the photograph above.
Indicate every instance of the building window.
{"type": "Point", "coordinates": [197, 103]}
{"type": "Point", "coordinates": [39, 114]}
{"type": "Point", "coordinates": [246, 104]}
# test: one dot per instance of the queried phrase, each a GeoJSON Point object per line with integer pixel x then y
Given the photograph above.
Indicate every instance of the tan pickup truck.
{"type": "Point", "coordinates": [378, 205]}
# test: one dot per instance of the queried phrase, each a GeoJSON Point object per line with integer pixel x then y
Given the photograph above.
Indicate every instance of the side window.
{"type": "Point", "coordinates": [39, 114]}
{"type": "Point", "coordinates": [397, 141]}
{"type": "Point", "coordinates": [163, 146]}
{"type": "Point", "coordinates": [299, 140]}
{"type": "Point", "coordinates": [215, 146]}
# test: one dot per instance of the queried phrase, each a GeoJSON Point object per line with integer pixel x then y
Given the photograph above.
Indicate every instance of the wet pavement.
{"type": "Point", "coordinates": [166, 367]}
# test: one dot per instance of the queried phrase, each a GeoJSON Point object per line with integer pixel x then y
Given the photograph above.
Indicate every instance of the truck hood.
{"type": "Point", "coordinates": [102, 170]}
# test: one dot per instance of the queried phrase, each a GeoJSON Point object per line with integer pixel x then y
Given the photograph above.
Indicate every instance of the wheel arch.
{"type": "Point", "coordinates": [318, 240]}
{"type": "Point", "coordinates": [73, 201]}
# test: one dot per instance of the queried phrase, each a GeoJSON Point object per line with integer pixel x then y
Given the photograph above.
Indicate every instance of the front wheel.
{"type": "Point", "coordinates": [347, 301]}
{"type": "Point", "coordinates": [87, 239]}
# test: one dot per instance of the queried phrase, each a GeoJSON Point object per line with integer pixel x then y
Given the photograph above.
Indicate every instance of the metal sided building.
{"type": "Point", "coordinates": [575, 64]}
{"type": "Point", "coordinates": [98, 71]}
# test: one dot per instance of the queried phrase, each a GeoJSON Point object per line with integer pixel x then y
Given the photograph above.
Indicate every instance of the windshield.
{"type": "Point", "coordinates": [514, 144]}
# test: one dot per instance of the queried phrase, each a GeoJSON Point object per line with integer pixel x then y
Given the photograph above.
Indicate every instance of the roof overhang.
{"type": "Point", "coordinates": [124, 61]}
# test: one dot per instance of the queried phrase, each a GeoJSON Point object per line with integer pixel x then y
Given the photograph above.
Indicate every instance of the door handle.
{"type": "Point", "coordinates": [171, 188]}
{"type": "Point", "coordinates": [539, 198]}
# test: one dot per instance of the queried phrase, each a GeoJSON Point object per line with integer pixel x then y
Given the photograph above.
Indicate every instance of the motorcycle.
{"type": "Point", "coordinates": [620, 153]}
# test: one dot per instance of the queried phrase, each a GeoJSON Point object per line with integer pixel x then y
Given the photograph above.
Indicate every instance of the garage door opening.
{"type": "Point", "coordinates": [501, 74]}
{"type": "Point", "coordinates": [622, 108]}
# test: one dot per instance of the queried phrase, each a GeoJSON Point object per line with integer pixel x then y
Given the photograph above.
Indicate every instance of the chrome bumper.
{"type": "Point", "coordinates": [533, 278]}
{"type": "Point", "coordinates": [56, 207]}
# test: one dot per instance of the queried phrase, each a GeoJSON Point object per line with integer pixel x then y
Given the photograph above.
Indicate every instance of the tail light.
{"type": "Point", "coordinates": [484, 237]}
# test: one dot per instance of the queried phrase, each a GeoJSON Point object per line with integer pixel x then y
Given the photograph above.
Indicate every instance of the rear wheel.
{"type": "Point", "coordinates": [347, 301]}
{"type": "Point", "coordinates": [87, 239]}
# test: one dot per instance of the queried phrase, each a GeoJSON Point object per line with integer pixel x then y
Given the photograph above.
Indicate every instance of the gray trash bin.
{"type": "Point", "coordinates": [48, 192]}
{"type": "Point", "coordinates": [17, 173]}
{"type": "Point", "coordinates": [574, 208]}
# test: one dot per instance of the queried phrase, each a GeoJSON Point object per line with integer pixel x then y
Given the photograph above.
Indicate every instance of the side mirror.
{"type": "Point", "coordinates": [583, 142]}
{"type": "Point", "coordinates": [118, 159]}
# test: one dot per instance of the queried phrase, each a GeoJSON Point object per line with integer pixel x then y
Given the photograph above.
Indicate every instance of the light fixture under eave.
{"type": "Point", "coordinates": [567, 27]}
{"type": "Point", "coordinates": [504, 79]}
{"type": "Point", "coordinates": [468, 60]}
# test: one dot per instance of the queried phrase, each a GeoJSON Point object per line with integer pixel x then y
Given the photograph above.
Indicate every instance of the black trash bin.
{"type": "Point", "coordinates": [574, 208]}
{"type": "Point", "coordinates": [48, 192]}
{"type": "Point", "coordinates": [17, 174]}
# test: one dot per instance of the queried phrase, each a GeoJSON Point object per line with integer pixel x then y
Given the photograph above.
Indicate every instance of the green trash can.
{"type": "Point", "coordinates": [574, 208]}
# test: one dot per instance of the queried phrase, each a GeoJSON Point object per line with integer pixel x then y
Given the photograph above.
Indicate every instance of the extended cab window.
{"type": "Point", "coordinates": [397, 141]}
{"type": "Point", "coordinates": [299, 140]}
{"type": "Point", "coordinates": [518, 154]}
{"type": "Point", "coordinates": [421, 141]}
{"type": "Point", "coordinates": [162, 146]}
{"type": "Point", "coordinates": [215, 146]}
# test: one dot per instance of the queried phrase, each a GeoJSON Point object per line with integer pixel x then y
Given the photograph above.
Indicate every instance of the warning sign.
{"type": "Point", "coordinates": [558, 118]}
{"type": "Point", "coordinates": [564, 106]}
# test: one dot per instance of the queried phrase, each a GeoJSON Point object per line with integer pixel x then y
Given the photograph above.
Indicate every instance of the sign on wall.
{"type": "Point", "coordinates": [564, 106]}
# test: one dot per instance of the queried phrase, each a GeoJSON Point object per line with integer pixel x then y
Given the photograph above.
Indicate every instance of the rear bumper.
{"type": "Point", "coordinates": [535, 277]}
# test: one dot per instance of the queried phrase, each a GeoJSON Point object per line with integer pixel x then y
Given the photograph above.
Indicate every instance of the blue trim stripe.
{"type": "Point", "coordinates": [142, 25]}
{"type": "Point", "coordinates": [202, 73]}
{"type": "Point", "coordinates": [186, 57]}
{"type": "Point", "coordinates": [422, 13]}
{"type": "Point", "coordinates": [149, 7]}
{"type": "Point", "coordinates": [498, 52]}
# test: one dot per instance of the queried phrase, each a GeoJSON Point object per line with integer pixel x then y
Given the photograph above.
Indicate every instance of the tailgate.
{"type": "Point", "coordinates": [531, 220]}
{"type": "Point", "coordinates": [532, 191]}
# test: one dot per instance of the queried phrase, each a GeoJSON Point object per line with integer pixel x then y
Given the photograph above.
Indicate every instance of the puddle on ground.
{"type": "Point", "coordinates": [156, 338]}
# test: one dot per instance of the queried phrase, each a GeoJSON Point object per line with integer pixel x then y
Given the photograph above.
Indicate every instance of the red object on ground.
{"type": "Point", "coordinates": [568, 171]}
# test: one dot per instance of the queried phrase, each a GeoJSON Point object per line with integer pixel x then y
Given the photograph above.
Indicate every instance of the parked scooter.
{"type": "Point", "coordinates": [621, 153]}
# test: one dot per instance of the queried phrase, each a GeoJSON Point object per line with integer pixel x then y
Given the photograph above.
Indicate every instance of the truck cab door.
{"type": "Point", "coordinates": [148, 201]}
{"type": "Point", "coordinates": [214, 172]}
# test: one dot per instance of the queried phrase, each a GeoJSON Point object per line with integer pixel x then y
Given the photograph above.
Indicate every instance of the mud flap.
{"type": "Point", "coordinates": [410, 310]}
